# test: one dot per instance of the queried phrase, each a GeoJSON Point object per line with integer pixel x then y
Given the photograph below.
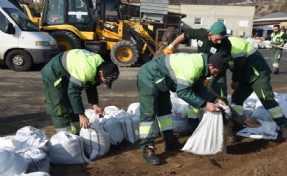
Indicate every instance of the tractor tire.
{"type": "Point", "coordinates": [124, 53]}
{"type": "Point", "coordinates": [66, 40]}
{"type": "Point", "coordinates": [19, 60]}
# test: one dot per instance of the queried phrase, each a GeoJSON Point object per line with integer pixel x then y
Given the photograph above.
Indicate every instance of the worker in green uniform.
{"type": "Point", "coordinates": [65, 76]}
{"type": "Point", "coordinates": [250, 72]}
{"type": "Point", "coordinates": [209, 41]}
{"type": "Point", "coordinates": [278, 39]}
{"type": "Point", "coordinates": [183, 73]}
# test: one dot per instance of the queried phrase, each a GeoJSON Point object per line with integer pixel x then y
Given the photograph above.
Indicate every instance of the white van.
{"type": "Point", "coordinates": [22, 44]}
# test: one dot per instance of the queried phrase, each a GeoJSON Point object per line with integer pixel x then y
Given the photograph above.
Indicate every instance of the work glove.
{"type": "Point", "coordinates": [168, 50]}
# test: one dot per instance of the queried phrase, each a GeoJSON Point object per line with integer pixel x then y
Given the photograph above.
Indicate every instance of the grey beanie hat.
{"type": "Point", "coordinates": [219, 60]}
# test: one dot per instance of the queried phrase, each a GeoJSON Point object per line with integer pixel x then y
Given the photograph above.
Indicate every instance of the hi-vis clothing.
{"type": "Point", "coordinates": [252, 73]}
{"type": "Point", "coordinates": [180, 72]}
{"type": "Point", "coordinates": [218, 83]}
{"type": "Point", "coordinates": [277, 39]}
{"type": "Point", "coordinates": [64, 77]}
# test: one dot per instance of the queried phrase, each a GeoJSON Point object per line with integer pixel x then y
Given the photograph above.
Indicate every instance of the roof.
{"type": "Point", "coordinates": [278, 16]}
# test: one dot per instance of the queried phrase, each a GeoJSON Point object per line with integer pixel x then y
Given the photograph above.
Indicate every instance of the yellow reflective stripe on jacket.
{"type": "Point", "coordinates": [56, 83]}
{"type": "Point", "coordinates": [146, 129]}
{"type": "Point", "coordinates": [81, 65]}
{"type": "Point", "coordinates": [185, 68]}
{"type": "Point", "coordinates": [241, 47]}
{"type": "Point", "coordinates": [275, 36]}
{"type": "Point", "coordinates": [193, 112]}
{"type": "Point", "coordinates": [165, 122]}
{"type": "Point", "coordinates": [276, 112]}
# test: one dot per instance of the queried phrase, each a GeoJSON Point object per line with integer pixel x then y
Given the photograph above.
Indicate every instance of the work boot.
{"type": "Point", "coordinates": [149, 154]}
{"type": "Point", "coordinates": [282, 123]}
{"type": "Point", "coordinates": [276, 71]}
{"type": "Point", "coordinates": [172, 144]}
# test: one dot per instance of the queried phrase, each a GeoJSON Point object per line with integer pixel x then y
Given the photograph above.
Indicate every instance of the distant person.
{"type": "Point", "coordinates": [278, 39]}
{"type": "Point", "coordinates": [184, 74]}
{"type": "Point", "coordinates": [250, 72]}
{"type": "Point", "coordinates": [64, 78]}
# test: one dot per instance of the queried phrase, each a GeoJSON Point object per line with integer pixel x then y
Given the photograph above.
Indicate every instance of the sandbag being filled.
{"type": "Point", "coordinates": [207, 139]}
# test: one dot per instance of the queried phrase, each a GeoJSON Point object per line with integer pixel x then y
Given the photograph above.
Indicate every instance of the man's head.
{"type": "Point", "coordinates": [218, 63]}
{"type": "Point", "coordinates": [109, 72]}
{"type": "Point", "coordinates": [217, 32]}
{"type": "Point", "coordinates": [276, 28]}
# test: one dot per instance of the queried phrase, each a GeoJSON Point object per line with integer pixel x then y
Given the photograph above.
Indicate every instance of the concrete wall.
{"type": "Point", "coordinates": [238, 19]}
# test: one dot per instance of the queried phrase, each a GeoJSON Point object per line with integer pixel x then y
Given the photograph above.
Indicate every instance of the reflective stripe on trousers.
{"type": "Point", "coordinates": [149, 129]}
{"type": "Point", "coordinates": [276, 112]}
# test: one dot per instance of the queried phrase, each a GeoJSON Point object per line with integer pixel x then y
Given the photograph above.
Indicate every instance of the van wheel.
{"type": "Point", "coordinates": [124, 53]}
{"type": "Point", "coordinates": [66, 40]}
{"type": "Point", "coordinates": [19, 60]}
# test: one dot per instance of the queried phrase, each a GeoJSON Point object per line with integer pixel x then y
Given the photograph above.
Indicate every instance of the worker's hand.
{"type": "Point", "coordinates": [84, 121]}
{"type": "Point", "coordinates": [98, 109]}
{"type": "Point", "coordinates": [221, 102]}
{"type": "Point", "coordinates": [234, 85]}
{"type": "Point", "coordinates": [210, 107]}
{"type": "Point", "coordinates": [168, 50]}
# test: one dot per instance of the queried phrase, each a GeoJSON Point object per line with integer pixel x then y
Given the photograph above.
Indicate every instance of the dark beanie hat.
{"type": "Point", "coordinates": [218, 28]}
{"type": "Point", "coordinates": [110, 72]}
{"type": "Point", "coordinates": [219, 60]}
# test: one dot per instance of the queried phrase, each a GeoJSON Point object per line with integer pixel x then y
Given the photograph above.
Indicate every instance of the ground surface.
{"type": "Point", "coordinates": [22, 104]}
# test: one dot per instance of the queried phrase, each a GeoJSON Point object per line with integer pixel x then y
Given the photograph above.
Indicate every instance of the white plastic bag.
{"type": "Point", "coordinates": [12, 163]}
{"type": "Point", "coordinates": [66, 148]}
{"type": "Point", "coordinates": [207, 139]}
{"type": "Point", "coordinates": [38, 160]}
{"type": "Point", "coordinates": [113, 127]}
{"type": "Point", "coordinates": [96, 142]}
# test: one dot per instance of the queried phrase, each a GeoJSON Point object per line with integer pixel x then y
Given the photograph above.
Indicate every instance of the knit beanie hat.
{"type": "Point", "coordinates": [218, 28]}
{"type": "Point", "coordinates": [219, 60]}
{"type": "Point", "coordinates": [110, 72]}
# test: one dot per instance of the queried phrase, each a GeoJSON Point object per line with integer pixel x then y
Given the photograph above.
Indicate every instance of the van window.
{"type": "Point", "coordinates": [3, 22]}
{"type": "Point", "coordinates": [21, 19]}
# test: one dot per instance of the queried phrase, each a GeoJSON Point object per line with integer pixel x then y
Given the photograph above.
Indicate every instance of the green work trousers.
{"type": "Point", "coordinates": [59, 107]}
{"type": "Point", "coordinates": [276, 54]}
{"type": "Point", "coordinates": [261, 86]}
{"type": "Point", "coordinates": [153, 103]}
{"type": "Point", "coordinates": [219, 85]}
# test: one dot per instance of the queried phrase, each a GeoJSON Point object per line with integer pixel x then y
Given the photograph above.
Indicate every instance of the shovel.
{"type": "Point", "coordinates": [246, 121]}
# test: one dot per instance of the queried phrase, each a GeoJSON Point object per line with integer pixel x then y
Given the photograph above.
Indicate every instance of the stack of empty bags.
{"type": "Point", "coordinates": [253, 107]}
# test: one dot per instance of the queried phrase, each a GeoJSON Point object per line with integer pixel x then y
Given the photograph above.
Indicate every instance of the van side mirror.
{"type": "Point", "coordinates": [10, 29]}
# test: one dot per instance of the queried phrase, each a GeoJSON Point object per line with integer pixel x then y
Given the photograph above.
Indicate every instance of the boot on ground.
{"type": "Point", "coordinates": [149, 154]}
{"type": "Point", "coordinates": [172, 144]}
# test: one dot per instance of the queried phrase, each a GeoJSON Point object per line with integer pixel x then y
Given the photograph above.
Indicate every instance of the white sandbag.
{"type": "Point", "coordinates": [35, 174]}
{"type": "Point", "coordinates": [130, 126]}
{"type": "Point", "coordinates": [179, 113]}
{"type": "Point", "coordinates": [112, 111]}
{"type": "Point", "coordinates": [113, 127]}
{"type": "Point", "coordinates": [134, 109]}
{"type": "Point", "coordinates": [93, 118]}
{"type": "Point", "coordinates": [35, 132]}
{"type": "Point", "coordinates": [12, 163]}
{"type": "Point", "coordinates": [207, 139]}
{"type": "Point", "coordinates": [22, 143]}
{"type": "Point", "coordinates": [96, 142]}
{"type": "Point", "coordinates": [267, 130]}
{"type": "Point", "coordinates": [282, 101]}
{"type": "Point", "coordinates": [38, 160]}
{"type": "Point", "coordinates": [66, 148]}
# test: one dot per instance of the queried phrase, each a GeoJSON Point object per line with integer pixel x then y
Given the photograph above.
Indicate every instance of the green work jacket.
{"type": "Point", "coordinates": [177, 72]}
{"type": "Point", "coordinates": [204, 45]}
{"type": "Point", "coordinates": [73, 71]}
{"type": "Point", "coordinates": [247, 63]}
